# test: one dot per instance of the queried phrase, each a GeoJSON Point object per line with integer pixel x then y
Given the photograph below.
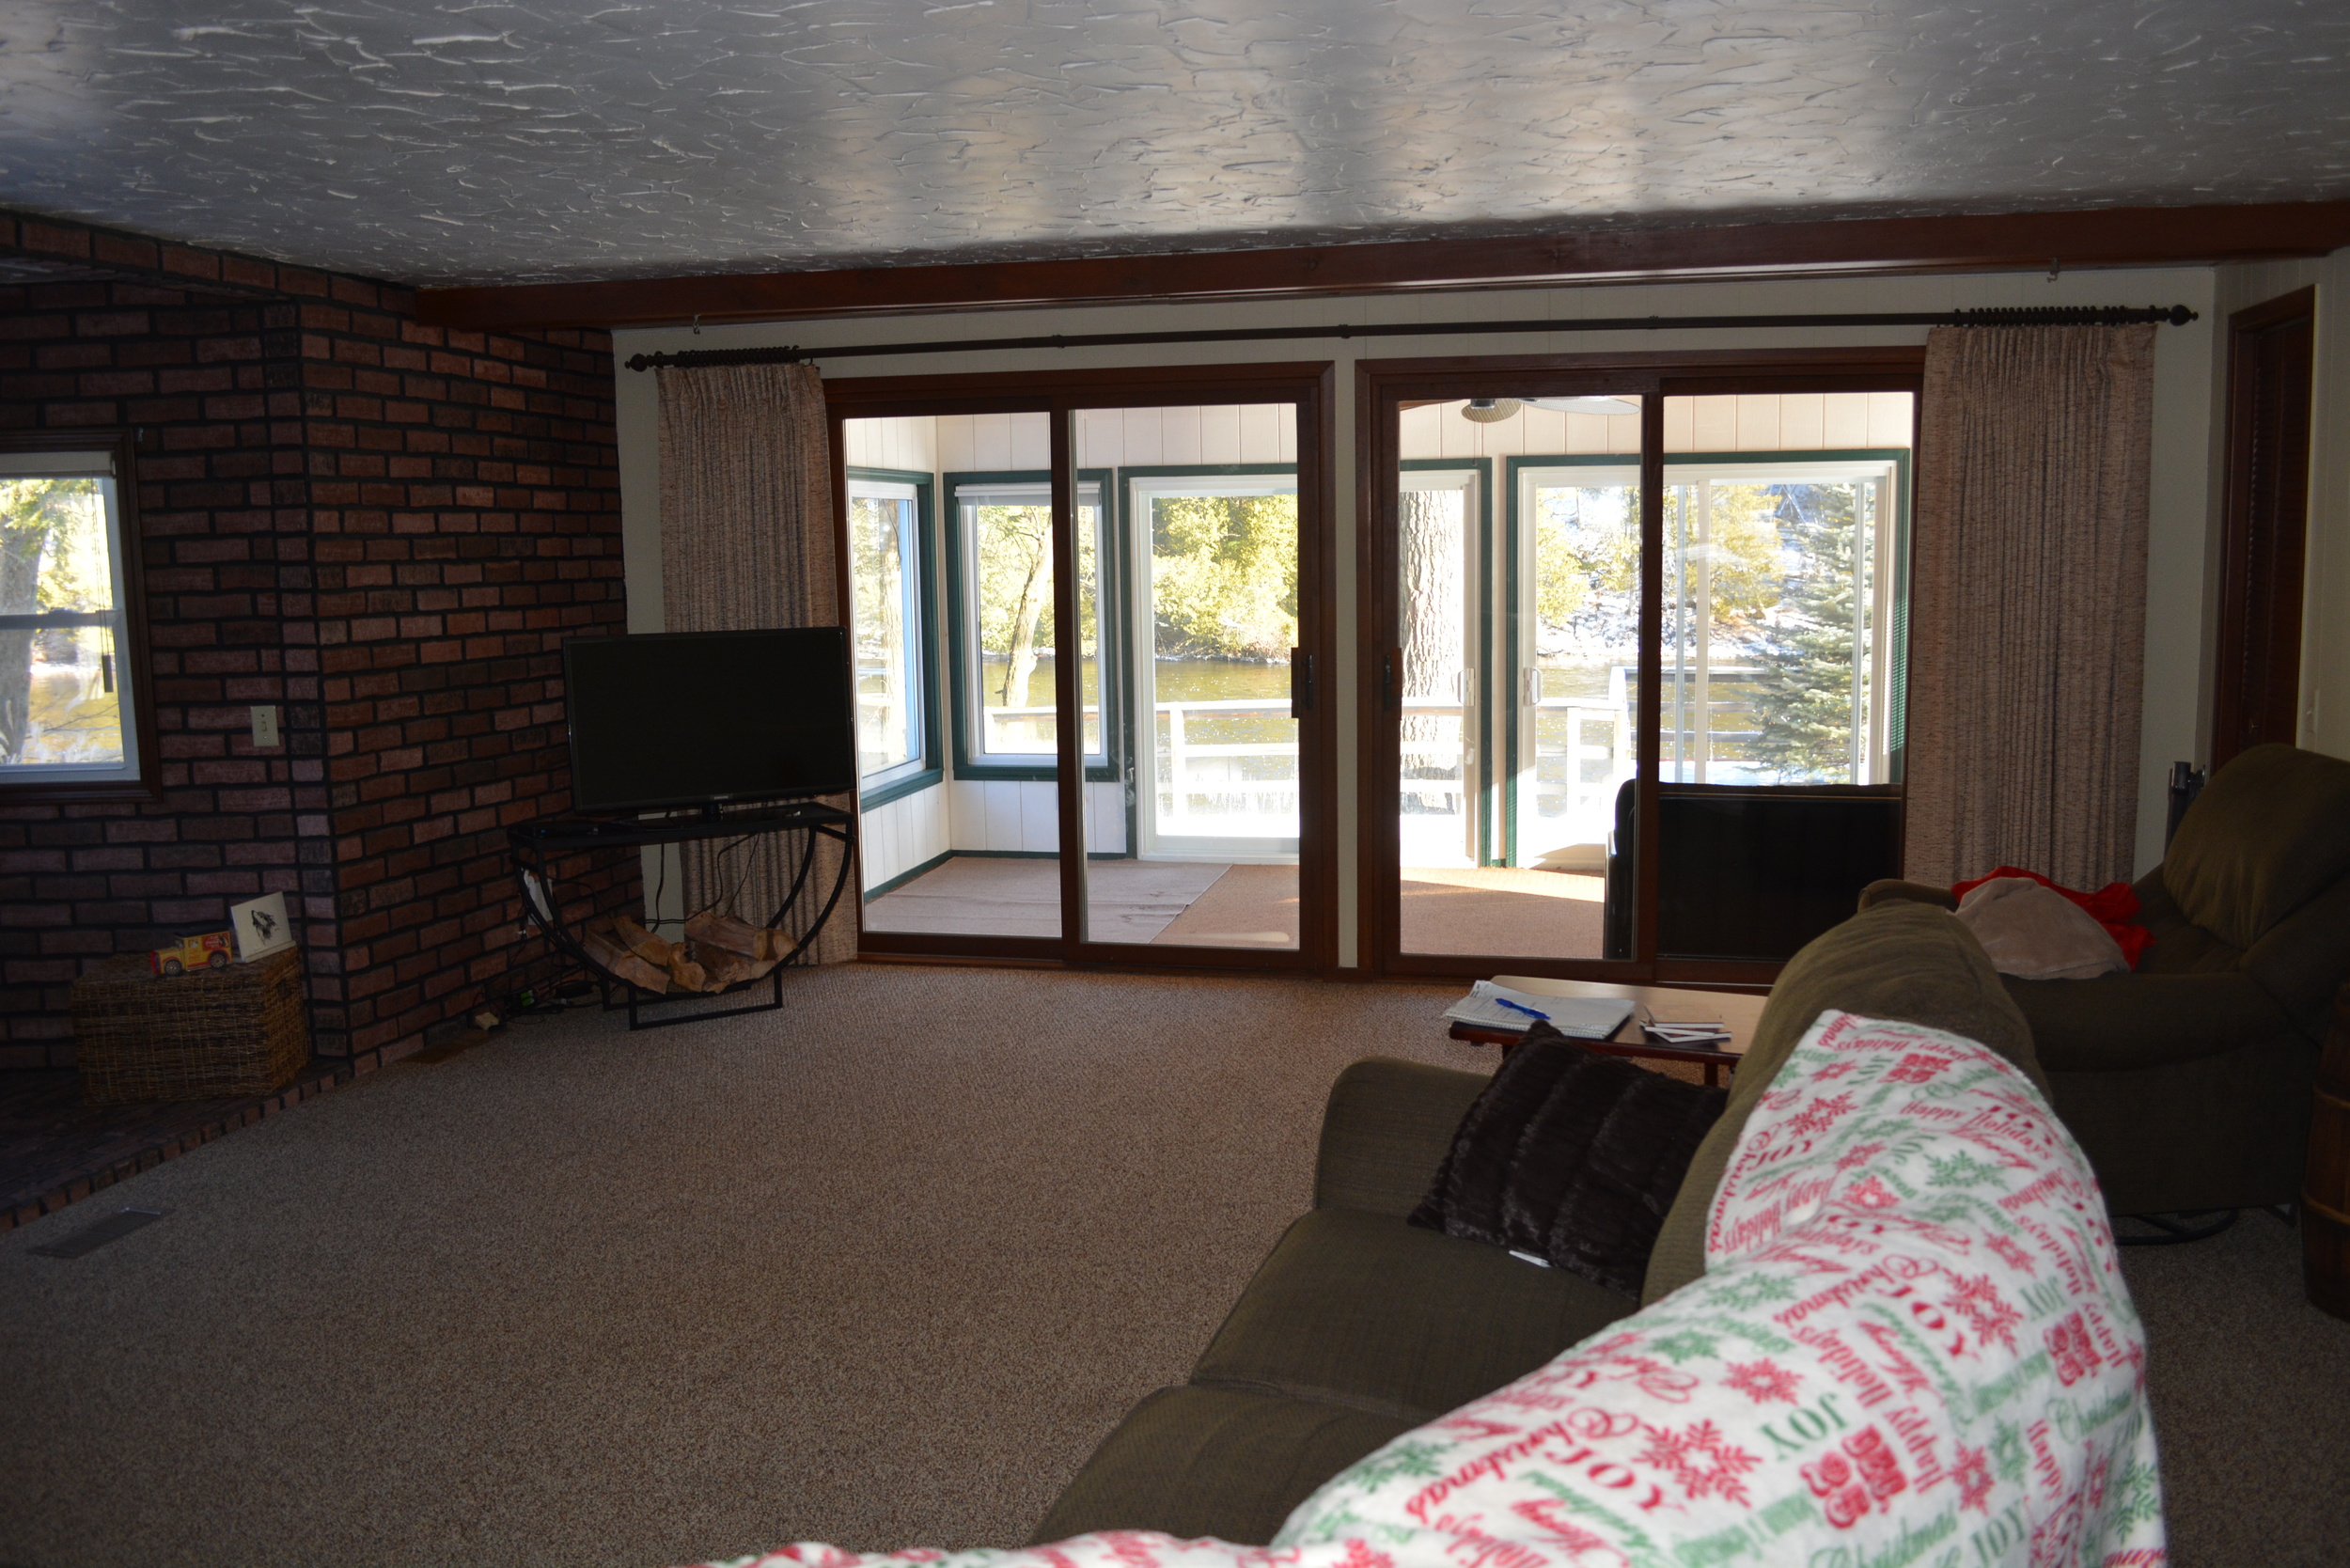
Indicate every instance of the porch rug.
{"type": "Point", "coordinates": [1512, 911]}
{"type": "Point", "coordinates": [1126, 901]}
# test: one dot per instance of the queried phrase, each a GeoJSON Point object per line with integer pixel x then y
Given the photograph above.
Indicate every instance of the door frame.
{"type": "Point", "coordinates": [1307, 385]}
{"type": "Point", "coordinates": [1382, 387]}
{"type": "Point", "coordinates": [2264, 529]}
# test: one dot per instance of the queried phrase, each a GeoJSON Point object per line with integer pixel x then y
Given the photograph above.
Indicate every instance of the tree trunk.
{"type": "Point", "coordinates": [1023, 663]}
{"type": "Point", "coordinates": [1432, 630]}
{"type": "Point", "coordinates": [23, 535]}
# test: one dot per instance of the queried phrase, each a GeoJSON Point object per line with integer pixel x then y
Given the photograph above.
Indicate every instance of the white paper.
{"type": "Point", "coordinates": [261, 927]}
{"type": "Point", "coordinates": [1576, 1017]}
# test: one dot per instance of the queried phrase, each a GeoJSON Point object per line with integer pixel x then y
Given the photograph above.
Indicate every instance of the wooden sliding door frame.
{"type": "Point", "coordinates": [1309, 387]}
{"type": "Point", "coordinates": [1383, 387]}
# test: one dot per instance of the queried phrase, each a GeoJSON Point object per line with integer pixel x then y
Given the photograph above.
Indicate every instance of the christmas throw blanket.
{"type": "Point", "coordinates": [1912, 1345]}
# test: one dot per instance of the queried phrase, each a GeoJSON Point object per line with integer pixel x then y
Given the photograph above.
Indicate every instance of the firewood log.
{"type": "Point", "coordinates": [685, 974]}
{"type": "Point", "coordinates": [644, 944]}
{"type": "Point", "coordinates": [618, 962]}
{"type": "Point", "coordinates": [711, 929]}
{"type": "Point", "coordinates": [720, 967]}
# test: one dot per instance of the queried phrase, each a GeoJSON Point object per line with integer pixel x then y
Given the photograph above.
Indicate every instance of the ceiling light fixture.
{"type": "Point", "coordinates": [1609, 407]}
{"type": "Point", "coordinates": [1490, 411]}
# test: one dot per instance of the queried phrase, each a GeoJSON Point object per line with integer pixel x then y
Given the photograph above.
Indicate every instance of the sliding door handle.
{"type": "Point", "coordinates": [1389, 664]}
{"type": "Point", "coordinates": [1301, 682]}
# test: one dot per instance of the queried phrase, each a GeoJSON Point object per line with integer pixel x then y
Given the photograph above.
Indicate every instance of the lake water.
{"type": "Point", "coordinates": [1178, 680]}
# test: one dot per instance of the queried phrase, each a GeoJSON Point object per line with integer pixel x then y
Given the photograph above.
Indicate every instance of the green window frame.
{"type": "Point", "coordinates": [963, 662]}
{"type": "Point", "coordinates": [923, 769]}
{"type": "Point", "coordinates": [1896, 571]}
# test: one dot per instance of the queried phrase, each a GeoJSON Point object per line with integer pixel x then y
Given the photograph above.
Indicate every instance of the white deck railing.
{"type": "Point", "coordinates": [1220, 782]}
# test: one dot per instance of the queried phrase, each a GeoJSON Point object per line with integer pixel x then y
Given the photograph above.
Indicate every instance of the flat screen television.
{"type": "Point", "coordinates": [690, 718]}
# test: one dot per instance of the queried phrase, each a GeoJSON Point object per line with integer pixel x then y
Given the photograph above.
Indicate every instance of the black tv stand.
{"type": "Point", "coordinates": [537, 846]}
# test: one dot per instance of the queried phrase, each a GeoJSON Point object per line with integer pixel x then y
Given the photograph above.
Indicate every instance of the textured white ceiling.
{"type": "Point", "coordinates": [604, 138]}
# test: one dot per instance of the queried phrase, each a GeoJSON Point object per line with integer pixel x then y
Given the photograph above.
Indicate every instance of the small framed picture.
{"type": "Point", "coordinates": [261, 927]}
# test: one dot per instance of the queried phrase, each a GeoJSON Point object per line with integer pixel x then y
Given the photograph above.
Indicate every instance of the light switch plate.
{"type": "Point", "coordinates": [264, 726]}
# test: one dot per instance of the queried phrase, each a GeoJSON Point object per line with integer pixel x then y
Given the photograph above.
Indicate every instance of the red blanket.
{"type": "Point", "coordinates": [2110, 906]}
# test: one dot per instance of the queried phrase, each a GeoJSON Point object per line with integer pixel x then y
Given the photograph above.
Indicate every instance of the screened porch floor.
{"type": "Point", "coordinates": [1487, 909]}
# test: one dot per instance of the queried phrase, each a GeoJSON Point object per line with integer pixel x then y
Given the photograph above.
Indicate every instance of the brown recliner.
{"type": "Point", "coordinates": [2188, 1081]}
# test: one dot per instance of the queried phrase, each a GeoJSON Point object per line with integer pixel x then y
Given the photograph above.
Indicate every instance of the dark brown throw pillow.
{"type": "Point", "coordinates": [1573, 1157]}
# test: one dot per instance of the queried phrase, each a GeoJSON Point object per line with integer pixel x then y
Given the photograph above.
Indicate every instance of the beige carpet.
{"type": "Point", "coordinates": [881, 1270]}
{"type": "Point", "coordinates": [2251, 1394]}
{"type": "Point", "coordinates": [1509, 911]}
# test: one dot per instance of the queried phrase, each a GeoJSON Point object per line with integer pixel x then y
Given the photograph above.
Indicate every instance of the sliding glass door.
{"type": "Point", "coordinates": [1635, 668]}
{"type": "Point", "coordinates": [1517, 572]}
{"type": "Point", "coordinates": [1136, 763]}
{"type": "Point", "coordinates": [1211, 756]}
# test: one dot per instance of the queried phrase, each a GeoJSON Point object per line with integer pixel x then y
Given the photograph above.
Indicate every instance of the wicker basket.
{"type": "Point", "coordinates": [208, 1035]}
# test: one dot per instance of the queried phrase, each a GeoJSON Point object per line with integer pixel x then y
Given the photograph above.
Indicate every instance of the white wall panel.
{"type": "Point", "coordinates": [1105, 817]}
{"type": "Point", "coordinates": [1846, 420]}
{"type": "Point", "coordinates": [877, 857]}
{"type": "Point", "coordinates": [1420, 432]}
{"type": "Point", "coordinates": [1802, 420]}
{"type": "Point", "coordinates": [1438, 430]}
{"type": "Point", "coordinates": [905, 833]}
{"type": "Point", "coordinates": [1040, 816]}
{"type": "Point", "coordinates": [1219, 435]}
{"type": "Point", "coordinates": [991, 442]}
{"type": "Point", "coordinates": [957, 443]}
{"type": "Point", "coordinates": [1032, 440]}
{"type": "Point", "coordinates": [1759, 423]}
{"type": "Point", "coordinates": [1142, 439]}
{"type": "Point", "coordinates": [1100, 437]}
{"type": "Point", "coordinates": [1260, 431]}
{"type": "Point", "coordinates": [1182, 437]}
{"type": "Point", "coordinates": [1717, 424]}
{"type": "Point", "coordinates": [1003, 815]}
{"type": "Point", "coordinates": [966, 818]}
{"type": "Point", "coordinates": [1889, 418]}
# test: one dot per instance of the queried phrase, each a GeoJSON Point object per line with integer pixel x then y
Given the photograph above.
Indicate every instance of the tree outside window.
{"type": "Point", "coordinates": [68, 719]}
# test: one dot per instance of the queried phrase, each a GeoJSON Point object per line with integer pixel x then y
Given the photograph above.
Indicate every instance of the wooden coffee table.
{"type": "Point", "coordinates": [1736, 1011]}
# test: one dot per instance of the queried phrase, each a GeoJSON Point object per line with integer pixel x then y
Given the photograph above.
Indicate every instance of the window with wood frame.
{"type": "Point", "coordinates": [75, 716]}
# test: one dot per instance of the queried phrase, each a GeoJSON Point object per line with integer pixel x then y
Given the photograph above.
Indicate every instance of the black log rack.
{"type": "Point", "coordinates": [800, 824]}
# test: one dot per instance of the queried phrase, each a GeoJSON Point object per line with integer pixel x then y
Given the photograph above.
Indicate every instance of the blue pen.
{"type": "Point", "coordinates": [1515, 1007]}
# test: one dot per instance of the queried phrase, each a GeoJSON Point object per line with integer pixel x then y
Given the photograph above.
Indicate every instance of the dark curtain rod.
{"type": "Point", "coordinates": [2045, 315]}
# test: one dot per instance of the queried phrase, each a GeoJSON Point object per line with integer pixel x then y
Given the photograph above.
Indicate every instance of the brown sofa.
{"type": "Point", "coordinates": [2188, 1081]}
{"type": "Point", "coordinates": [1358, 1328]}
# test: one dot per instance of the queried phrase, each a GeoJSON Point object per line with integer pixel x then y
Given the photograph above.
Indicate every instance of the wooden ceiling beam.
{"type": "Point", "coordinates": [2106, 237]}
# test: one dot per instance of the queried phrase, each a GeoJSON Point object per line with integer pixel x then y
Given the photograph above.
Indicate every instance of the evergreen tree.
{"type": "Point", "coordinates": [1803, 699]}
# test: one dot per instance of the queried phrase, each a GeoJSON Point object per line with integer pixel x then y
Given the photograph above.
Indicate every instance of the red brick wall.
{"type": "Point", "coordinates": [383, 528]}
